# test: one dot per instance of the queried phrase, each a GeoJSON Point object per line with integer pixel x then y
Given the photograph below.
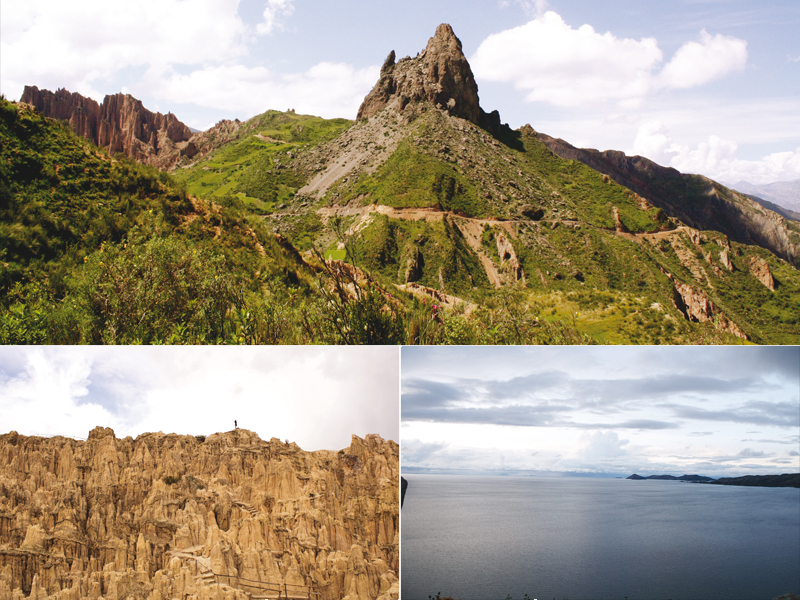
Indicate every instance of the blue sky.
{"type": "Point", "coordinates": [714, 411]}
{"type": "Point", "coordinates": [708, 86]}
{"type": "Point", "coordinates": [314, 396]}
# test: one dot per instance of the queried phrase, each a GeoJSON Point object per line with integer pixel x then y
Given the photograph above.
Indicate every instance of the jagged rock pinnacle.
{"type": "Point", "coordinates": [440, 74]}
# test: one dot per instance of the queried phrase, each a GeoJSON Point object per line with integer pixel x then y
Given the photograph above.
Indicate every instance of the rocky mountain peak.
{"type": "Point", "coordinates": [440, 74]}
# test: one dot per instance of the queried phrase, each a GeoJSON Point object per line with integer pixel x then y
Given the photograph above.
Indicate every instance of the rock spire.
{"type": "Point", "coordinates": [440, 74]}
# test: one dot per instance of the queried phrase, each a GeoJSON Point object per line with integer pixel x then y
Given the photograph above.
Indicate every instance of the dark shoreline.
{"type": "Point", "coordinates": [784, 480]}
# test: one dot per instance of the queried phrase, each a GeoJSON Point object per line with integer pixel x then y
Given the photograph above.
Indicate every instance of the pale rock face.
{"type": "Point", "coordinates": [508, 258]}
{"type": "Point", "coordinates": [168, 516]}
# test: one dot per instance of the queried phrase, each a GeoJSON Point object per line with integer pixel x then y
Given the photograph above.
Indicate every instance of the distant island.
{"type": "Point", "coordinates": [785, 480]}
{"type": "Point", "coordinates": [693, 478]}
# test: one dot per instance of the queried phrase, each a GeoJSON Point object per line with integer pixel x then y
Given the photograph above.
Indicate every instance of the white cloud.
{"type": "Point", "coordinates": [554, 63]}
{"type": "Point", "coordinates": [600, 446]}
{"type": "Point", "coordinates": [273, 12]}
{"type": "Point", "coordinates": [72, 44]}
{"type": "Point", "coordinates": [316, 397]}
{"type": "Point", "coordinates": [714, 157]}
{"type": "Point", "coordinates": [531, 7]}
{"type": "Point", "coordinates": [697, 63]}
{"type": "Point", "coordinates": [326, 89]}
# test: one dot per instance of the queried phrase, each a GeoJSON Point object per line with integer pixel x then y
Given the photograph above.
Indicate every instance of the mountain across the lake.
{"type": "Point", "coordinates": [636, 477]}
{"type": "Point", "coordinates": [785, 480]}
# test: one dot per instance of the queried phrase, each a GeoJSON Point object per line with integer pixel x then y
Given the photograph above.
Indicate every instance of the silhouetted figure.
{"type": "Point", "coordinates": [235, 424]}
{"type": "Point", "coordinates": [403, 486]}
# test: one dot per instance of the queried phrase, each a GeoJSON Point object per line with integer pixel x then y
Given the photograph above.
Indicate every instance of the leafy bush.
{"type": "Point", "coordinates": [156, 290]}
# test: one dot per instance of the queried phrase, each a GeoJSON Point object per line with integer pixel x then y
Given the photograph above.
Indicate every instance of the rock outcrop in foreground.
{"type": "Point", "coordinates": [170, 516]}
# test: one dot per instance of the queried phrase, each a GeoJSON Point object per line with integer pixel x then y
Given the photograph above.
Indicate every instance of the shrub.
{"type": "Point", "coordinates": [161, 290]}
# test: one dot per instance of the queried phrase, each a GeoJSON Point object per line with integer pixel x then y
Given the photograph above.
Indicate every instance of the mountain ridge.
{"type": "Point", "coordinates": [443, 203]}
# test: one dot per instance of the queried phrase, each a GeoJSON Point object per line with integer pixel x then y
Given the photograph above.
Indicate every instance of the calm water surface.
{"type": "Point", "coordinates": [484, 538]}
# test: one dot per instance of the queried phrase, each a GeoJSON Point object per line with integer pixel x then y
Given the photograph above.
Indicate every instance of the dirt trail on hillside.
{"type": "Point", "coordinates": [470, 228]}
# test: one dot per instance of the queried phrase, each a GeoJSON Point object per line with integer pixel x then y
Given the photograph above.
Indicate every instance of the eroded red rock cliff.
{"type": "Point", "coordinates": [120, 124]}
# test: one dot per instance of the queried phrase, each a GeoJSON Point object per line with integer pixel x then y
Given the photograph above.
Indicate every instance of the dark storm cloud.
{"type": "Point", "coordinates": [425, 394]}
{"type": "Point", "coordinates": [776, 414]}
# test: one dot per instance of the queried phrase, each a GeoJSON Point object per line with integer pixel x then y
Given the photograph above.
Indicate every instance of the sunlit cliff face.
{"type": "Point", "coordinates": [166, 516]}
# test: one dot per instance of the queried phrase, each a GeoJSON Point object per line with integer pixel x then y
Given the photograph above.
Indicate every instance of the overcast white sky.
{"type": "Point", "coordinates": [713, 411]}
{"type": "Point", "coordinates": [314, 396]}
{"type": "Point", "coordinates": [706, 86]}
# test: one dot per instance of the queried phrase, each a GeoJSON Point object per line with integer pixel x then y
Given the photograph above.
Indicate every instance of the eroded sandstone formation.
{"type": "Point", "coordinates": [760, 270]}
{"type": "Point", "coordinates": [170, 516]}
{"type": "Point", "coordinates": [120, 124]}
{"type": "Point", "coordinates": [696, 306]}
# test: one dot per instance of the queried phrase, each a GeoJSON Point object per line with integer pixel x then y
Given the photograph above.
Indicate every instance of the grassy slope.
{"type": "Point", "coordinates": [579, 272]}
{"type": "Point", "coordinates": [78, 228]}
{"type": "Point", "coordinates": [620, 293]}
{"type": "Point", "coordinates": [253, 168]}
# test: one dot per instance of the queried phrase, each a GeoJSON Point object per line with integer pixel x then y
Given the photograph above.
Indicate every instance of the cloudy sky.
{"type": "Point", "coordinates": [706, 86]}
{"type": "Point", "coordinates": [715, 411]}
{"type": "Point", "coordinates": [316, 397]}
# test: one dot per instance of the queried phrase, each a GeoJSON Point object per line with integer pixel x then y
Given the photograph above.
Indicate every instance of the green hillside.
{"type": "Point", "coordinates": [251, 167]}
{"type": "Point", "coordinates": [447, 233]}
{"type": "Point", "coordinates": [96, 249]}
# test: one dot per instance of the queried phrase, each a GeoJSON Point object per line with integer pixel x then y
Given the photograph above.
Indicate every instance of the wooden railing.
{"type": "Point", "coordinates": [264, 590]}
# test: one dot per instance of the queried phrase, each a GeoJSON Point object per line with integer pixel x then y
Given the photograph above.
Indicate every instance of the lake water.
{"type": "Point", "coordinates": [485, 538]}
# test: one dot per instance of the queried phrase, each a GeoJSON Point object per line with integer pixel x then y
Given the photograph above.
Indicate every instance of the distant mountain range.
{"type": "Point", "coordinates": [785, 480]}
{"type": "Point", "coordinates": [784, 194]}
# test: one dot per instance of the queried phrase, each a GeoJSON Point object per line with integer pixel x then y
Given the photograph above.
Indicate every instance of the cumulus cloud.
{"type": "Point", "coordinates": [555, 63]}
{"type": "Point", "coordinates": [715, 157]}
{"type": "Point", "coordinates": [75, 43]}
{"type": "Point", "coordinates": [195, 52]}
{"type": "Point", "coordinates": [601, 445]}
{"type": "Point", "coordinates": [326, 89]}
{"type": "Point", "coordinates": [697, 63]}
